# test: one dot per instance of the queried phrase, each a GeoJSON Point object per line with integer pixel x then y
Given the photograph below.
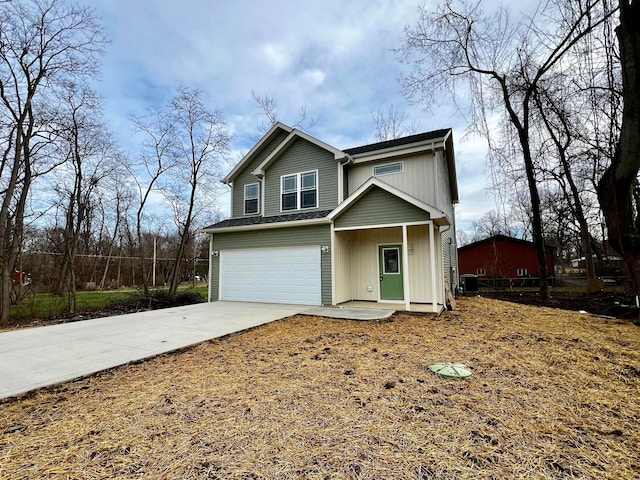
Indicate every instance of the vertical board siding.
{"type": "Point", "coordinates": [364, 260]}
{"type": "Point", "coordinates": [378, 207]}
{"type": "Point", "coordinates": [420, 264]}
{"type": "Point", "coordinates": [245, 177]}
{"type": "Point", "coordinates": [417, 179]}
{"type": "Point", "coordinates": [279, 237]}
{"type": "Point", "coordinates": [342, 262]}
{"type": "Point", "coordinates": [303, 156]}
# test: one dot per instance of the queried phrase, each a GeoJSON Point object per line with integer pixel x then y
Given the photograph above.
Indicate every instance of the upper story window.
{"type": "Point", "coordinates": [299, 190]}
{"type": "Point", "coordinates": [251, 193]}
{"type": "Point", "coordinates": [481, 272]}
{"type": "Point", "coordinates": [388, 168]}
{"type": "Point", "coordinates": [522, 272]}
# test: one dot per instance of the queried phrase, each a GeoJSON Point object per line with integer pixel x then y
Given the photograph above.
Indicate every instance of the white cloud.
{"type": "Point", "coordinates": [334, 57]}
{"type": "Point", "coordinates": [277, 56]}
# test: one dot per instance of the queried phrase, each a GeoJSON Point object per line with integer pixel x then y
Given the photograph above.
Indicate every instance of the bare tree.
{"type": "Point", "coordinates": [121, 200]}
{"type": "Point", "coordinates": [91, 158]}
{"type": "Point", "coordinates": [502, 63]}
{"type": "Point", "coordinates": [268, 109]}
{"type": "Point", "coordinates": [493, 223]}
{"type": "Point", "coordinates": [156, 160]}
{"type": "Point", "coordinates": [392, 124]}
{"type": "Point", "coordinates": [201, 138]}
{"type": "Point", "coordinates": [556, 119]}
{"type": "Point", "coordinates": [618, 189]}
{"type": "Point", "coordinates": [41, 42]}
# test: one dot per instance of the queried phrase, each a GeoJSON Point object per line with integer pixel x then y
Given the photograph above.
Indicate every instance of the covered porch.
{"type": "Point", "coordinates": [395, 265]}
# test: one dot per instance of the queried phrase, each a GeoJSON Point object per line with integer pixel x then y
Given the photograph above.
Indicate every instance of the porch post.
{"type": "Point", "coordinates": [434, 276]}
{"type": "Point", "coordinates": [405, 268]}
{"type": "Point", "coordinates": [332, 252]}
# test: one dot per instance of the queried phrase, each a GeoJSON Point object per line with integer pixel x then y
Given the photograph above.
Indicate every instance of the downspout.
{"type": "Point", "coordinates": [445, 229]}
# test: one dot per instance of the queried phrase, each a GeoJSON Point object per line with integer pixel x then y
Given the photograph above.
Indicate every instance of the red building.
{"type": "Point", "coordinates": [500, 256]}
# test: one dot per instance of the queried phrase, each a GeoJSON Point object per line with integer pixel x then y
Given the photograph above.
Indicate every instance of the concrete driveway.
{"type": "Point", "coordinates": [43, 356]}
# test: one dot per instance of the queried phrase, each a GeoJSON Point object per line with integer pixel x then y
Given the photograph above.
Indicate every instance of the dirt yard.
{"type": "Point", "coordinates": [554, 394]}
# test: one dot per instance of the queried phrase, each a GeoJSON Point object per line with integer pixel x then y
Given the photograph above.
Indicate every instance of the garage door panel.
{"type": "Point", "coordinates": [272, 275]}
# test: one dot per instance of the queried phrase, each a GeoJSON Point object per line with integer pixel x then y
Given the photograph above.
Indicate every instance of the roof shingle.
{"type": "Point", "coordinates": [420, 137]}
{"type": "Point", "coordinates": [246, 221]}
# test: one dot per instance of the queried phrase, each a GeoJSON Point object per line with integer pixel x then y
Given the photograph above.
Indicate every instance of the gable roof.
{"type": "Point", "coordinates": [266, 138]}
{"type": "Point", "coordinates": [292, 137]}
{"type": "Point", "coordinates": [438, 216]}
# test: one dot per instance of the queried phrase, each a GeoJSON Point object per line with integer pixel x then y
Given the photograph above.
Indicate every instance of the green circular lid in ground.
{"type": "Point", "coordinates": [451, 370]}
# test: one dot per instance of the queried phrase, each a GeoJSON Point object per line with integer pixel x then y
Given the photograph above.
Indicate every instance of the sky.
{"type": "Point", "coordinates": [333, 57]}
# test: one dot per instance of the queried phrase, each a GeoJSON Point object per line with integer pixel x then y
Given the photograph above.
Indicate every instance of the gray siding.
{"type": "Point", "coordinates": [215, 276]}
{"type": "Point", "coordinates": [379, 207]}
{"type": "Point", "coordinates": [276, 237]}
{"type": "Point", "coordinates": [302, 156]}
{"type": "Point", "coordinates": [245, 177]}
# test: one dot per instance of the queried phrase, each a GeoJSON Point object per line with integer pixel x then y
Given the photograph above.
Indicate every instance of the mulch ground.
{"type": "Point", "coordinates": [617, 302]}
{"type": "Point", "coordinates": [554, 394]}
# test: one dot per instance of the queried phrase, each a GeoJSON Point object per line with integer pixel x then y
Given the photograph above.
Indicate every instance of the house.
{"type": "Point", "coordinates": [502, 257]}
{"type": "Point", "coordinates": [313, 224]}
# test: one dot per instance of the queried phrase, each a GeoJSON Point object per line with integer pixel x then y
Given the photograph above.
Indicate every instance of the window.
{"type": "Point", "coordinates": [391, 261]}
{"type": "Point", "coordinates": [251, 193]}
{"type": "Point", "coordinates": [388, 168]}
{"type": "Point", "coordinates": [481, 272]}
{"type": "Point", "coordinates": [309, 190]}
{"type": "Point", "coordinates": [521, 272]}
{"type": "Point", "coordinates": [299, 190]}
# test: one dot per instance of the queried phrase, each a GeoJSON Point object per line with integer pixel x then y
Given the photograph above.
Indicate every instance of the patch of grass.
{"type": "Point", "coordinates": [46, 305]}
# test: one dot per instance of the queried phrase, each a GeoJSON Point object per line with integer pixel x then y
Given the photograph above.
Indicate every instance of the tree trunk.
{"type": "Point", "coordinates": [616, 187]}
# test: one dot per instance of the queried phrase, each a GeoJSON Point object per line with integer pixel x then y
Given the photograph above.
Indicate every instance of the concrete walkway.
{"type": "Point", "coordinates": [37, 357]}
{"type": "Point", "coordinates": [350, 313]}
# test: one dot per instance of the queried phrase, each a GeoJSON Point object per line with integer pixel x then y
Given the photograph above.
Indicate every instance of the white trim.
{"type": "Point", "coordinates": [398, 151]}
{"type": "Point", "coordinates": [432, 260]}
{"type": "Point", "coordinates": [244, 202]}
{"type": "Point", "coordinates": [405, 269]}
{"type": "Point", "coordinates": [333, 266]}
{"type": "Point", "coordinates": [209, 289]}
{"type": "Point", "coordinates": [340, 183]}
{"type": "Point", "coordinates": [382, 225]}
{"type": "Point", "coordinates": [263, 226]}
{"type": "Point", "coordinates": [293, 135]}
{"type": "Point", "coordinates": [373, 168]}
{"type": "Point", "coordinates": [263, 182]}
{"type": "Point", "coordinates": [299, 191]}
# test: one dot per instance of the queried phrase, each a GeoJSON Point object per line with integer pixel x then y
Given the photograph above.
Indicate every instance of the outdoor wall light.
{"type": "Point", "coordinates": [215, 253]}
{"type": "Point", "coordinates": [324, 248]}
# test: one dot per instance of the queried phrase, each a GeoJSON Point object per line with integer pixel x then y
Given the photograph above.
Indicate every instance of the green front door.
{"type": "Point", "coordinates": [390, 260]}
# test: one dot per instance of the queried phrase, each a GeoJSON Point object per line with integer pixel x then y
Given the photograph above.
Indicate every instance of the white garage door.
{"type": "Point", "coordinates": [272, 275]}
